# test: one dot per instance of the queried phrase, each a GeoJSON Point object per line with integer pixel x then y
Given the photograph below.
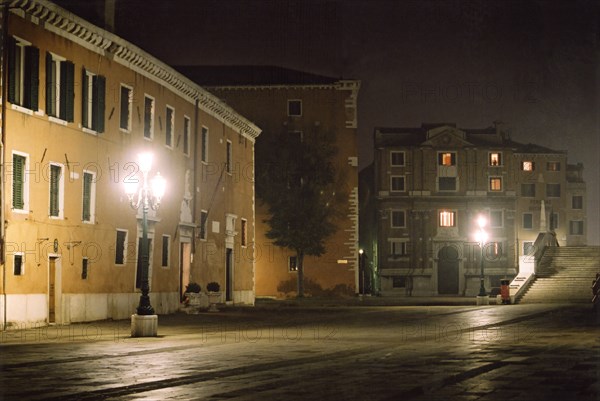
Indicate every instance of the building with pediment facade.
{"type": "Point", "coordinates": [429, 184]}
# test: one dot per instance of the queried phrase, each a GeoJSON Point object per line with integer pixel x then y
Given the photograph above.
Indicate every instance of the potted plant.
{"type": "Point", "coordinates": [214, 295]}
{"type": "Point", "coordinates": [193, 296]}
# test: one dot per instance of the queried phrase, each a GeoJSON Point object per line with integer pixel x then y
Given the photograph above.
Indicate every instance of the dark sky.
{"type": "Point", "coordinates": [530, 64]}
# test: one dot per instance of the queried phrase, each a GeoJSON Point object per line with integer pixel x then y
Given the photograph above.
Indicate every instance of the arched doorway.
{"type": "Point", "coordinates": [448, 271]}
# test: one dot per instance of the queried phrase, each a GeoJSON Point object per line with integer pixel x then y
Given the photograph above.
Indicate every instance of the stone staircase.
{"type": "Point", "coordinates": [564, 275]}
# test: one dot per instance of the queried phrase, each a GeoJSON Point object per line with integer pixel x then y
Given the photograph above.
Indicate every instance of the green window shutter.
{"type": "Point", "coordinates": [124, 118]}
{"type": "Point", "coordinates": [87, 197]}
{"type": "Point", "coordinates": [66, 91]}
{"type": "Point", "coordinates": [12, 81]}
{"type": "Point", "coordinates": [99, 85]}
{"type": "Point", "coordinates": [50, 85]}
{"type": "Point", "coordinates": [32, 76]}
{"type": "Point", "coordinates": [84, 99]}
{"type": "Point", "coordinates": [54, 188]}
{"type": "Point", "coordinates": [120, 248]}
{"type": "Point", "coordinates": [18, 182]}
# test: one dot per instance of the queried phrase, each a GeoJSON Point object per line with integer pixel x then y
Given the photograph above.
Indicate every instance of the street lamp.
{"type": "Point", "coordinates": [481, 236]}
{"type": "Point", "coordinates": [361, 267]}
{"type": "Point", "coordinates": [147, 196]}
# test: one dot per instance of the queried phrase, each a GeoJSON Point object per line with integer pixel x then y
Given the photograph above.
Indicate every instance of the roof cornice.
{"type": "Point", "coordinates": [72, 27]}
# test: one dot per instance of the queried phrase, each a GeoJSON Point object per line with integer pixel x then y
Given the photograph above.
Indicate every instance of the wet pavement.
{"type": "Point", "coordinates": [314, 351]}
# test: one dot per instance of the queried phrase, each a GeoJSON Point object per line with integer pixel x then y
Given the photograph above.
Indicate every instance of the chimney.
{"type": "Point", "coordinates": [109, 15]}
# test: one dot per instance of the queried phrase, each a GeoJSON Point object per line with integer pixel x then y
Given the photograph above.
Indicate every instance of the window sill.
{"type": "Point", "coordinates": [20, 211]}
{"type": "Point", "coordinates": [56, 120]}
{"type": "Point", "coordinates": [89, 131]}
{"type": "Point", "coordinates": [21, 109]}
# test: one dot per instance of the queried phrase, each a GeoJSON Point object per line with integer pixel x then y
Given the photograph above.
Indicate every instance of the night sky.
{"type": "Point", "coordinates": [531, 64]}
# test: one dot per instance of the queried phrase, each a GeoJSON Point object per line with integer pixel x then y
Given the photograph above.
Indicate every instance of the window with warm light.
{"type": "Point", "coordinates": [527, 166]}
{"type": "Point", "coordinates": [493, 249]}
{"type": "Point", "coordinates": [495, 183]}
{"type": "Point", "coordinates": [447, 218]}
{"type": "Point", "coordinates": [447, 159]}
{"type": "Point", "coordinates": [293, 263]}
{"type": "Point", "coordinates": [495, 159]}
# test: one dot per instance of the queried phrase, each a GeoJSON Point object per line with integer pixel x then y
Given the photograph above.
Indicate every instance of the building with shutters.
{"type": "Point", "coordinates": [298, 104]}
{"type": "Point", "coordinates": [429, 185]}
{"type": "Point", "coordinates": [81, 104]}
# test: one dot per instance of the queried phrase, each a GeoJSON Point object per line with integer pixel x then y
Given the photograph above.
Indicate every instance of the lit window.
{"type": "Point", "coordinates": [93, 95]}
{"type": "Point", "coordinates": [447, 218]}
{"type": "Point", "coordinates": [528, 166]}
{"type": "Point", "coordinates": [447, 159]}
{"type": "Point", "coordinates": [495, 159]}
{"type": "Point", "coordinates": [493, 249]}
{"type": "Point", "coordinates": [293, 264]}
{"type": "Point", "coordinates": [169, 126]}
{"type": "Point", "coordinates": [148, 117]}
{"type": "Point", "coordinates": [294, 108]}
{"type": "Point", "coordinates": [398, 219]}
{"type": "Point", "coordinates": [397, 158]}
{"type": "Point", "coordinates": [397, 183]}
{"type": "Point", "coordinates": [495, 183]}
{"type": "Point", "coordinates": [60, 85]}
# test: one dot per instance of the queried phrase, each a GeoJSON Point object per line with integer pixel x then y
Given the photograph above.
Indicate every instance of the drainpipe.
{"type": "Point", "coordinates": [194, 175]}
{"type": "Point", "coordinates": [2, 151]}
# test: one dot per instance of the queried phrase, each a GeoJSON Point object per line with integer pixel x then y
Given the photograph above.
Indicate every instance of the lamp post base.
{"type": "Point", "coordinates": [483, 300]}
{"type": "Point", "coordinates": [144, 325]}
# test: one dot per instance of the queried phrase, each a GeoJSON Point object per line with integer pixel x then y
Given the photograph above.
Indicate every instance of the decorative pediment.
{"type": "Point", "coordinates": [446, 136]}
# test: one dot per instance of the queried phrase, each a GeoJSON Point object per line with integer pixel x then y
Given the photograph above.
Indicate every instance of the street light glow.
{"type": "Point", "coordinates": [481, 221]}
{"type": "Point", "coordinates": [145, 161]}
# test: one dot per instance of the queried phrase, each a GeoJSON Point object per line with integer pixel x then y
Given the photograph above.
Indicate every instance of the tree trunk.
{"type": "Point", "coordinates": [300, 257]}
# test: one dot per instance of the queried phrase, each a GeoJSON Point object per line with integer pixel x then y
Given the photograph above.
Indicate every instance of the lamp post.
{"type": "Point", "coordinates": [361, 267]}
{"type": "Point", "coordinates": [481, 236]}
{"type": "Point", "coordinates": [147, 196]}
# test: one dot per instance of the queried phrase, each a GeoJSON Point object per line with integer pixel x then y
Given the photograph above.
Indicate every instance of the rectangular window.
{"type": "Point", "coordinates": [120, 247]}
{"type": "Point", "coordinates": [577, 202]}
{"type": "Point", "coordinates": [18, 264]}
{"type": "Point", "coordinates": [447, 159]}
{"type": "Point", "coordinates": [495, 158]}
{"type": "Point", "coordinates": [528, 248]}
{"type": "Point", "coordinates": [398, 248]}
{"type": "Point", "coordinates": [23, 74]}
{"type": "Point", "coordinates": [293, 263]}
{"type": "Point", "coordinates": [493, 250]}
{"type": "Point", "coordinates": [126, 104]}
{"type": "Point", "coordinates": [84, 268]}
{"type": "Point", "coordinates": [495, 184]}
{"type": "Point", "coordinates": [169, 126]}
{"type": "Point", "coordinates": [93, 98]}
{"type": "Point", "coordinates": [148, 117]}
{"type": "Point", "coordinates": [166, 250]}
{"type": "Point", "coordinates": [553, 190]}
{"type": "Point", "coordinates": [553, 224]}
{"type": "Point", "coordinates": [496, 218]}
{"type": "Point", "coordinates": [447, 218]}
{"type": "Point", "coordinates": [244, 232]}
{"type": "Point", "coordinates": [397, 183]}
{"type": "Point", "coordinates": [60, 87]}
{"type": "Point", "coordinates": [576, 227]}
{"type": "Point", "coordinates": [229, 157]}
{"type": "Point", "coordinates": [186, 136]}
{"type": "Point", "coordinates": [397, 159]}
{"type": "Point", "coordinates": [56, 195]}
{"type": "Point", "coordinates": [204, 149]}
{"type": "Point", "coordinates": [294, 108]}
{"type": "Point", "coordinates": [527, 165]}
{"type": "Point", "coordinates": [528, 190]}
{"type": "Point", "coordinates": [19, 184]}
{"type": "Point", "coordinates": [203, 224]}
{"type": "Point", "coordinates": [398, 218]}
{"type": "Point", "coordinates": [447, 183]}
{"type": "Point", "coordinates": [528, 221]}
{"type": "Point", "coordinates": [89, 196]}
{"type": "Point", "coordinates": [553, 166]}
